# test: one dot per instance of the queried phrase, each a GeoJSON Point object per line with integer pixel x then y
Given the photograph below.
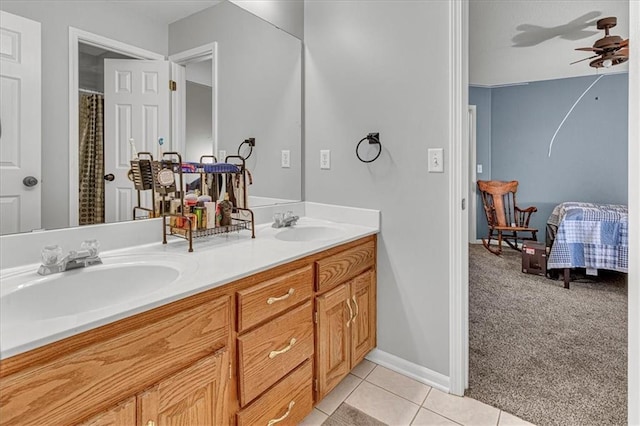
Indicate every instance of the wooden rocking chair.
{"type": "Point", "coordinates": [504, 217]}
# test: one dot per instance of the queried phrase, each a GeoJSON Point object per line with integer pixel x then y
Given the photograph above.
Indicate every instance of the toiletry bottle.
{"type": "Point", "coordinates": [218, 214]}
{"type": "Point", "coordinates": [226, 207]}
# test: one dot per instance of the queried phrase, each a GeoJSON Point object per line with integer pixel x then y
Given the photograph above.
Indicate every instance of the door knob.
{"type": "Point", "coordinates": [110, 177]}
{"type": "Point", "coordinates": [30, 181]}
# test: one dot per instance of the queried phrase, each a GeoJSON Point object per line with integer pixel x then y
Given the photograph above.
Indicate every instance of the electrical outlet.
{"type": "Point", "coordinates": [222, 155]}
{"type": "Point", "coordinates": [285, 158]}
{"type": "Point", "coordinates": [325, 159]}
{"type": "Point", "coordinates": [436, 160]}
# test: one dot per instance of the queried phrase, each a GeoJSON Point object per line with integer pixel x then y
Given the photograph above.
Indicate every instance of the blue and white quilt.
{"type": "Point", "coordinates": [591, 236]}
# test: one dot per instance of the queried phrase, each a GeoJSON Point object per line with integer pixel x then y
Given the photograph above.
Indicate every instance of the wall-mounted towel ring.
{"type": "Point", "coordinates": [251, 142]}
{"type": "Point", "coordinates": [373, 138]}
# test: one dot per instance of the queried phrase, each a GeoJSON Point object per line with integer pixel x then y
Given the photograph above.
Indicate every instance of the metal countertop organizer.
{"type": "Point", "coordinates": [166, 177]}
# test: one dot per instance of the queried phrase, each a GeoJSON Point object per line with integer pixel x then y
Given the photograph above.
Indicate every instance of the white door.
{"type": "Point", "coordinates": [473, 193]}
{"type": "Point", "coordinates": [20, 115]}
{"type": "Point", "coordinates": [136, 101]}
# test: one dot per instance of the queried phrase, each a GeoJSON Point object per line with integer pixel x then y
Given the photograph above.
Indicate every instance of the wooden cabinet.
{"type": "Point", "coordinates": [244, 352]}
{"type": "Point", "coordinates": [346, 315]}
{"type": "Point", "coordinates": [73, 380]}
{"type": "Point", "coordinates": [123, 414]}
{"type": "Point", "coordinates": [363, 324]}
{"type": "Point", "coordinates": [275, 348]}
{"type": "Point", "coordinates": [195, 396]}
{"type": "Point", "coordinates": [340, 267]}
{"type": "Point", "coordinates": [268, 353]}
{"type": "Point", "coordinates": [333, 357]}
{"type": "Point", "coordinates": [273, 297]}
{"type": "Point", "coordinates": [287, 403]}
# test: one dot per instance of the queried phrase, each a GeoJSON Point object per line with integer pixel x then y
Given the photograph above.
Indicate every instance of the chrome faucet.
{"type": "Point", "coordinates": [284, 220]}
{"type": "Point", "coordinates": [53, 262]}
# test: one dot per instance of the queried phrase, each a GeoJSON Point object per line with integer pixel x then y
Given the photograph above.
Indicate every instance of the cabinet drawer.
{"type": "Point", "coordinates": [345, 265]}
{"type": "Point", "coordinates": [292, 397]}
{"type": "Point", "coordinates": [270, 298]}
{"type": "Point", "coordinates": [97, 377]}
{"type": "Point", "coordinates": [268, 353]}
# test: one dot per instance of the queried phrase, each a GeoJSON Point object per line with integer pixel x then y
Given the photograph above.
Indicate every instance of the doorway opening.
{"type": "Point", "coordinates": [92, 176]}
{"type": "Point", "coordinates": [84, 41]}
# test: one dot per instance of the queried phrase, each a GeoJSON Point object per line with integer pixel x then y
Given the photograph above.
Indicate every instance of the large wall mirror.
{"type": "Point", "coordinates": [257, 93]}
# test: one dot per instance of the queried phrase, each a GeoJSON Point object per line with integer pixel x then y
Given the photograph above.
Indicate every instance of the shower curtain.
{"type": "Point", "coordinates": [91, 195]}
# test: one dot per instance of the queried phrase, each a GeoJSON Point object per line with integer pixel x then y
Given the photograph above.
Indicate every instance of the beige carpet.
{"type": "Point", "coordinates": [549, 355]}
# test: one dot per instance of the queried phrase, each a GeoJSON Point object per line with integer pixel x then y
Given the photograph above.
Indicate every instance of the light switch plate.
{"type": "Point", "coordinates": [325, 159]}
{"type": "Point", "coordinates": [222, 154]}
{"type": "Point", "coordinates": [479, 168]}
{"type": "Point", "coordinates": [436, 160]}
{"type": "Point", "coordinates": [285, 159]}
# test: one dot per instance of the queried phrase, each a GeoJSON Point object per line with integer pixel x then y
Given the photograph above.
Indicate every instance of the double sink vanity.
{"type": "Point", "coordinates": [241, 331]}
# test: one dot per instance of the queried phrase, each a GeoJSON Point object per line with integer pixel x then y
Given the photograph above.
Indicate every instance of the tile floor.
{"type": "Point", "coordinates": [398, 400]}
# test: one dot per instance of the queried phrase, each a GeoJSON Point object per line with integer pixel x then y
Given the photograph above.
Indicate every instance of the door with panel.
{"type": "Point", "coordinates": [20, 132]}
{"type": "Point", "coordinates": [123, 414]}
{"type": "Point", "coordinates": [196, 396]}
{"type": "Point", "coordinates": [363, 322]}
{"type": "Point", "coordinates": [137, 106]}
{"type": "Point", "coordinates": [334, 314]}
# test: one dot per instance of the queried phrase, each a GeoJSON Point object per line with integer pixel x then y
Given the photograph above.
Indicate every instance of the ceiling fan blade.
{"type": "Point", "coordinates": [585, 59]}
{"type": "Point", "coordinates": [624, 43]}
{"type": "Point", "coordinates": [589, 49]}
{"type": "Point", "coordinates": [624, 52]}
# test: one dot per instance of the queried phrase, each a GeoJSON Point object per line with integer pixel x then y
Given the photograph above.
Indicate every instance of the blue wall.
{"type": "Point", "coordinates": [589, 157]}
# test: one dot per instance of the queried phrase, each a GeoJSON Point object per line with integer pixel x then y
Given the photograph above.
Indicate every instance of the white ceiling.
{"type": "Point", "coordinates": [496, 59]}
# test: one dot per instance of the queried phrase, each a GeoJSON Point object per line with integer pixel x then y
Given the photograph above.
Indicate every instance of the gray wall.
{"type": "Point", "coordinates": [198, 135]}
{"type": "Point", "coordinates": [104, 18]}
{"type": "Point", "coordinates": [287, 15]}
{"type": "Point", "coordinates": [368, 71]}
{"type": "Point", "coordinates": [259, 91]}
{"type": "Point", "coordinates": [589, 156]}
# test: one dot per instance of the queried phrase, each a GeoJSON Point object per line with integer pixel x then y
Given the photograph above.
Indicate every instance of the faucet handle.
{"type": "Point", "coordinates": [51, 254]}
{"type": "Point", "coordinates": [91, 246]}
{"type": "Point", "coordinates": [277, 218]}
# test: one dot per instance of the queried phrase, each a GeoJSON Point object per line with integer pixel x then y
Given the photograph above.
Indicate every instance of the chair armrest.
{"type": "Point", "coordinates": [529, 210]}
{"type": "Point", "coordinates": [524, 215]}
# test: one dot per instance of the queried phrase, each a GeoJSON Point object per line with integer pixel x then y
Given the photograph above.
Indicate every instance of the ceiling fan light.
{"type": "Point", "coordinates": [607, 63]}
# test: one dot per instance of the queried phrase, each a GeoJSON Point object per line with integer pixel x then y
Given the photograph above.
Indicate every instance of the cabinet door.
{"type": "Point", "coordinates": [363, 324]}
{"type": "Point", "coordinates": [123, 414]}
{"type": "Point", "coordinates": [195, 396]}
{"type": "Point", "coordinates": [333, 362]}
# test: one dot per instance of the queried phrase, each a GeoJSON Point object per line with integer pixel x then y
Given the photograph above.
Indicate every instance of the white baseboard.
{"type": "Point", "coordinates": [409, 369]}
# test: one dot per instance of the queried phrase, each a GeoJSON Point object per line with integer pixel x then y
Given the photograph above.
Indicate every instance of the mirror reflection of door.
{"type": "Point", "coordinates": [120, 99]}
{"type": "Point", "coordinates": [137, 100]}
{"type": "Point", "coordinates": [91, 149]}
{"type": "Point", "coordinates": [20, 115]}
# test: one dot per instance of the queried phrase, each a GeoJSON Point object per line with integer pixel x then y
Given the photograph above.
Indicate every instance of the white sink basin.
{"type": "Point", "coordinates": [309, 233]}
{"type": "Point", "coordinates": [31, 297]}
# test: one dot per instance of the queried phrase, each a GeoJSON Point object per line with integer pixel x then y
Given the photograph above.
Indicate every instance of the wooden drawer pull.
{"type": "Point", "coordinates": [355, 304]}
{"type": "Point", "coordinates": [151, 423]}
{"type": "Point", "coordinates": [284, 416]}
{"type": "Point", "coordinates": [274, 354]}
{"type": "Point", "coordinates": [272, 300]}
{"type": "Point", "coordinates": [351, 317]}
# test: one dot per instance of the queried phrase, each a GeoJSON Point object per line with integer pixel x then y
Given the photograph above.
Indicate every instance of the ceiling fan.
{"type": "Point", "coordinates": [610, 50]}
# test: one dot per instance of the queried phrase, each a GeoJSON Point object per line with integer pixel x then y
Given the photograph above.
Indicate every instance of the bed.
{"type": "Point", "coordinates": [588, 235]}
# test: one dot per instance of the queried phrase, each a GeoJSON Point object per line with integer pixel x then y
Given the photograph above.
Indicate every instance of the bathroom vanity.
{"type": "Point", "coordinates": [259, 349]}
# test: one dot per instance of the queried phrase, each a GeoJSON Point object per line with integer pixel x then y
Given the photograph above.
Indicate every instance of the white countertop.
{"type": "Point", "coordinates": [215, 261]}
